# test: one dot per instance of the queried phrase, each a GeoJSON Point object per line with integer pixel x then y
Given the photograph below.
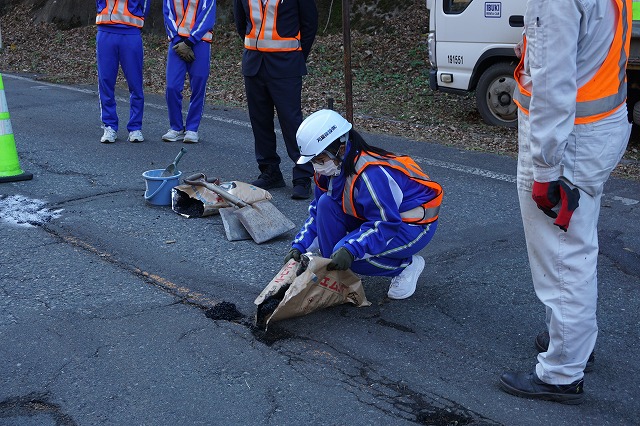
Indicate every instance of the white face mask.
{"type": "Point", "coordinates": [328, 168]}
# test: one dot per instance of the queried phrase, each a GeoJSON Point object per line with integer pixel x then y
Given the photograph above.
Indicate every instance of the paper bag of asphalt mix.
{"type": "Point", "coordinates": [300, 288]}
{"type": "Point", "coordinates": [198, 201]}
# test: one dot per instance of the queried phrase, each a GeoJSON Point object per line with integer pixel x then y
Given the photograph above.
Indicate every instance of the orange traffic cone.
{"type": "Point", "coordinates": [9, 165]}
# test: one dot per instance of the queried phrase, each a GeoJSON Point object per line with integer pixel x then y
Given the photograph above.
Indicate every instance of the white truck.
{"type": "Point", "coordinates": [471, 47]}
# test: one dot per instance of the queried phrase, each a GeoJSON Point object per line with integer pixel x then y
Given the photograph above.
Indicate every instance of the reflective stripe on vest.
{"type": "Point", "coordinates": [420, 215]}
{"type": "Point", "coordinates": [186, 19]}
{"type": "Point", "coordinates": [117, 12]}
{"type": "Point", "coordinates": [607, 89]}
{"type": "Point", "coordinates": [264, 34]}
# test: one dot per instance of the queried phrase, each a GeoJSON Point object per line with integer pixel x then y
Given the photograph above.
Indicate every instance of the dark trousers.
{"type": "Point", "coordinates": [264, 94]}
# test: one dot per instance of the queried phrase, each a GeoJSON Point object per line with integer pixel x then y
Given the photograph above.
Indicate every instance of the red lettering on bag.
{"type": "Point", "coordinates": [283, 274]}
{"type": "Point", "coordinates": [324, 282]}
{"type": "Point", "coordinates": [331, 284]}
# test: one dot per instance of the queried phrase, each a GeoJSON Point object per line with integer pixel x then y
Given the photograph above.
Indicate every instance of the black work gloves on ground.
{"type": "Point", "coordinates": [341, 260]}
{"type": "Point", "coordinates": [183, 50]}
{"type": "Point", "coordinates": [548, 194]}
{"type": "Point", "coordinates": [293, 254]}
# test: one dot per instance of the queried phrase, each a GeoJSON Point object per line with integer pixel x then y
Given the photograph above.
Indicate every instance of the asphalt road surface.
{"type": "Point", "coordinates": [103, 297]}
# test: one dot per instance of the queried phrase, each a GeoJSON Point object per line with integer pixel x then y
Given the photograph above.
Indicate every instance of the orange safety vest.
{"type": "Point", "coordinates": [264, 34]}
{"type": "Point", "coordinates": [421, 215]}
{"type": "Point", "coordinates": [607, 90]}
{"type": "Point", "coordinates": [117, 12]}
{"type": "Point", "coordinates": [186, 19]}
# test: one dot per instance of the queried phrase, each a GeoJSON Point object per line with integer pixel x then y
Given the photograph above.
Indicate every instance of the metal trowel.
{"type": "Point", "coordinates": [173, 167]}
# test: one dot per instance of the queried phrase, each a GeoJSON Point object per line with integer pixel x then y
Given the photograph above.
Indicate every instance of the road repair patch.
{"type": "Point", "coordinates": [26, 212]}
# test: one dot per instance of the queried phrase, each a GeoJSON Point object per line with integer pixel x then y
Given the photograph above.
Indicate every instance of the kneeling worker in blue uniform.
{"type": "Point", "coordinates": [373, 210]}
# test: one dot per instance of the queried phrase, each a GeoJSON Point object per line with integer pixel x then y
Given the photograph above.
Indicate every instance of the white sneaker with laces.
{"type": "Point", "coordinates": [135, 136]}
{"type": "Point", "coordinates": [109, 135]}
{"type": "Point", "coordinates": [173, 136]}
{"type": "Point", "coordinates": [191, 137]}
{"type": "Point", "coordinates": [404, 285]}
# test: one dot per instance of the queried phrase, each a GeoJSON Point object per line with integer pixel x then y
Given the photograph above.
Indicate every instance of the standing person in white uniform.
{"type": "Point", "coordinates": [573, 129]}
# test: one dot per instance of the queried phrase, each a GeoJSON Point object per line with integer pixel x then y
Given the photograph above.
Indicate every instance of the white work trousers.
{"type": "Point", "coordinates": [563, 264]}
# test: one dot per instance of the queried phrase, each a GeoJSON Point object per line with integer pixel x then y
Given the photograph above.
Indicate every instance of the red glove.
{"type": "Point", "coordinates": [547, 195]}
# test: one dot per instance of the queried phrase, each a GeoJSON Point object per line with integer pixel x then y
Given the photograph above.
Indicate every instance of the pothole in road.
{"type": "Point", "coordinates": [227, 311]}
{"type": "Point", "coordinates": [33, 409]}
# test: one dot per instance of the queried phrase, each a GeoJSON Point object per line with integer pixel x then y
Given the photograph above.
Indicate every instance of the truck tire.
{"type": "Point", "coordinates": [494, 95]}
{"type": "Point", "coordinates": [636, 113]}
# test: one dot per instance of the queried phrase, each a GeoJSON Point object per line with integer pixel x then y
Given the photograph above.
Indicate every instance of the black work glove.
{"type": "Point", "coordinates": [569, 203]}
{"type": "Point", "coordinates": [184, 51]}
{"type": "Point", "coordinates": [547, 195]}
{"type": "Point", "coordinates": [294, 254]}
{"type": "Point", "coordinates": [341, 260]}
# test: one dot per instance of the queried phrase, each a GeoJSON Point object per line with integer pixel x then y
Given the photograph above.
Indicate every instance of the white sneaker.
{"type": "Point", "coordinates": [109, 135]}
{"type": "Point", "coordinates": [173, 136]}
{"type": "Point", "coordinates": [404, 285]}
{"type": "Point", "coordinates": [191, 137]}
{"type": "Point", "coordinates": [136, 136]}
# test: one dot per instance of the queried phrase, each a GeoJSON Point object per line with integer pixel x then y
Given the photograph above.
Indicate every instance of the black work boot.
{"type": "Point", "coordinates": [528, 385]}
{"type": "Point", "coordinates": [542, 344]}
{"type": "Point", "coordinates": [301, 189]}
{"type": "Point", "coordinates": [270, 177]}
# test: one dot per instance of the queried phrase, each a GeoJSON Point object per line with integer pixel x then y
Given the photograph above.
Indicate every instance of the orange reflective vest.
{"type": "Point", "coordinates": [607, 90]}
{"type": "Point", "coordinates": [186, 19]}
{"type": "Point", "coordinates": [264, 34]}
{"type": "Point", "coordinates": [421, 215]}
{"type": "Point", "coordinates": [117, 12]}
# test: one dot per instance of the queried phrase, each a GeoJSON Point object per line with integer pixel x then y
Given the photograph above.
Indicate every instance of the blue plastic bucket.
{"type": "Point", "coordinates": [158, 190]}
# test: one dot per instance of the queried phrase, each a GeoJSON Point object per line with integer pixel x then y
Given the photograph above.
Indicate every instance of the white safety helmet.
{"type": "Point", "coordinates": [318, 131]}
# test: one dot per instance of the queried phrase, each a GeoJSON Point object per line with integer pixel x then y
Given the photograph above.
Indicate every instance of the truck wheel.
{"type": "Point", "coordinates": [494, 95]}
{"type": "Point", "coordinates": [636, 113]}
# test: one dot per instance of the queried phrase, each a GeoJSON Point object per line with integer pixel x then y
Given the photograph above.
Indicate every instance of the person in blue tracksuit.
{"type": "Point", "coordinates": [119, 43]}
{"type": "Point", "coordinates": [373, 210]}
{"type": "Point", "coordinates": [189, 25]}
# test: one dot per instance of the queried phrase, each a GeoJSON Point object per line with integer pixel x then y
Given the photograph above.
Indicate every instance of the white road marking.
{"type": "Point", "coordinates": [626, 201]}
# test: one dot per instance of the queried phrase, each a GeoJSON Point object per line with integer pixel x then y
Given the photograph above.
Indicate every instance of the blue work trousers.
{"type": "Point", "coordinates": [335, 227]}
{"type": "Point", "coordinates": [112, 51]}
{"type": "Point", "coordinates": [177, 70]}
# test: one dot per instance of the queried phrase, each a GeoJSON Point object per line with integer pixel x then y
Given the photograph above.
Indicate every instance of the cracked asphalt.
{"type": "Point", "coordinates": [103, 304]}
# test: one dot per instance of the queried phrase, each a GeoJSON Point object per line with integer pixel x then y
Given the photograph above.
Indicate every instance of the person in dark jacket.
{"type": "Point", "coordinates": [373, 210]}
{"type": "Point", "coordinates": [273, 63]}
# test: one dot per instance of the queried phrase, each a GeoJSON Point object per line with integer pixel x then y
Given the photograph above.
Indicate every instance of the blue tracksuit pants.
{"type": "Point", "coordinates": [177, 70]}
{"type": "Point", "coordinates": [112, 51]}
{"type": "Point", "coordinates": [334, 227]}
